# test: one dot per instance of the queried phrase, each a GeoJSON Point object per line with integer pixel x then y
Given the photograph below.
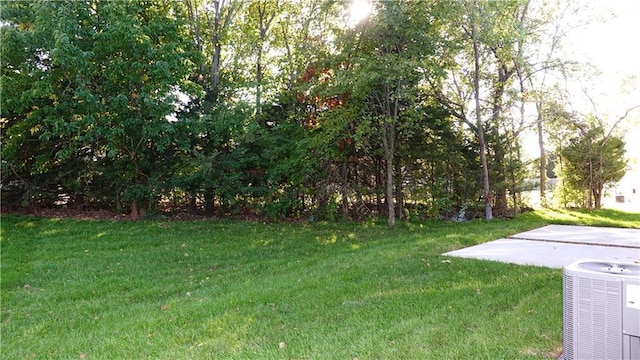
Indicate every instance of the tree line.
{"type": "Point", "coordinates": [286, 108]}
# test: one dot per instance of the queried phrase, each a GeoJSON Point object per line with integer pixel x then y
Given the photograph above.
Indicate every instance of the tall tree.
{"type": "Point", "coordinates": [472, 31]}
{"type": "Point", "coordinates": [489, 51]}
{"type": "Point", "coordinates": [541, 63]}
{"type": "Point", "coordinates": [214, 119]}
{"type": "Point", "coordinates": [382, 65]}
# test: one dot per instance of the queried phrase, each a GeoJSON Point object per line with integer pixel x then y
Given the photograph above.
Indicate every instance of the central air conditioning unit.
{"type": "Point", "coordinates": [601, 310]}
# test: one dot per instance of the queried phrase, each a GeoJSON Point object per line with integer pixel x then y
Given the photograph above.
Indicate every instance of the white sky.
{"type": "Point", "coordinates": [613, 46]}
{"type": "Point", "coordinates": [611, 43]}
{"type": "Point", "coordinates": [610, 34]}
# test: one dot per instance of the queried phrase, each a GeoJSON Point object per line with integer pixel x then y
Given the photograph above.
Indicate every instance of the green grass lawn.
{"type": "Point", "coordinates": [75, 289]}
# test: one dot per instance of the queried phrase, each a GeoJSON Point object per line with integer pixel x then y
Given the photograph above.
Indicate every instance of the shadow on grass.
{"type": "Point", "coordinates": [237, 290]}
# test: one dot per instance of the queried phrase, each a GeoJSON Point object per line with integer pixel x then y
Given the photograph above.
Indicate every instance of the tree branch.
{"type": "Point", "coordinates": [620, 120]}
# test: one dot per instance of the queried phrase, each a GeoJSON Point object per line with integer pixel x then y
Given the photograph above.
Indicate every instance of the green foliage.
{"type": "Point", "coordinates": [591, 161]}
{"type": "Point", "coordinates": [93, 83]}
{"type": "Point", "coordinates": [131, 104]}
{"type": "Point", "coordinates": [379, 68]}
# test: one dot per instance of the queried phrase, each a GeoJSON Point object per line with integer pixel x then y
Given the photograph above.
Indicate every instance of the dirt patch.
{"type": "Point", "coordinates": [101, 214]}
{"type": "Point", "coordinates": [69, 213]}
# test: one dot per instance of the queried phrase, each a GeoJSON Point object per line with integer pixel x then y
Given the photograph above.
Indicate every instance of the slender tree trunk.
{"type": "Point", "coordinates": [345, 191]}
{"type": "Point", "coordinates": [195, 30]}
{"type": "Point", "coordinates": [390, 108]}
{"type": "Point", "coordinates": [599, 185]}
{"type": "Point", "coordinates": [398, 186]}
{"type": "Point", "coordinates": [543, 157]}
{"type": "Point", "coordinates": [192, 201]}
{"type": "Point", "coordinates": [555, 40]}
{"type": "Point", "coordinates": [500, 177]}
{"type": "Point", "coordinates": [215, 72]}
{"type": "Point", "coordinates": [481, 140]}
{"type": "Point", "coordinates": [264, 24]}
{"type": "Point", "coordinates": [378, 180]}
{"type": "Point", "coordinates": [388, 152]}
{"type": "Point", "coordinates": [217, 25]}
{"type": "Point", "coordinates": [209, 199]}
{"type": "Point", "coordinates": [390, 203]}
{"type": "Point", "coordinates": [590, 185]}
{"type": "Point", "coordinates": [391, 220]}
{"type": "Point", "coordinates": [259, 81]}
{"type": "Point", "coordinates": [135, 214]}
{"type": "Point", "coordinates": [485, 176]}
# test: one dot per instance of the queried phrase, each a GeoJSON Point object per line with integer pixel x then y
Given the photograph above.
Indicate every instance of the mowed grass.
{"type": "Point", "coordinates": [75, 289]}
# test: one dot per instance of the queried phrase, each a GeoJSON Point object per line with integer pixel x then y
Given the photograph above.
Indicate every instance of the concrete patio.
{"type": "Point", "coordinates": [556, 246]}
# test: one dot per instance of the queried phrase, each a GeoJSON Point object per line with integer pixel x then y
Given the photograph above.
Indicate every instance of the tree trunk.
{"type": "Point", "coordinates": [192, 201]}
{"type": "Point", "coordinates": [215, 73]}
{"type": "Point", "coordinates": [482, 145]}
{"type": "Point", "coordinates": [499, 179]}
{"type": "Point", "coordinates": [387, 140]}
{"type": "Point", "coordinates": [485, 177]}
{"type": "Point", "coordinates": [590, 185]}
{"type": "Point", "coordinates": [390, 204]}
{"type": "Point", "coordinates": [597, 197]}
{"type": "Point", "coordinates": [264, 24]}
{"type": "Point", "coordinates": [195, 30]}
{"type": "Point", "coordinates": [259, 81]}
{"type": "Point", "coordinates": [543, 158]}
{"type": "Point", "coordinates": [138, 210]}
{"type": "Point", "coordinates": [208, 201]}
{"type": "Point", "coordinates": [378, 180]}
{"type": "Point", "coordinates": [398, 186]}
{"type": "Point", "coordinates": [345, 191]}
{"type": "Point", "coordinates": [135, 214]}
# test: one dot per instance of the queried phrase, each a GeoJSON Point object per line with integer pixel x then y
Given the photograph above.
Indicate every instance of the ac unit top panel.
{"type": "Point", "coordinates": [604, 268]}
